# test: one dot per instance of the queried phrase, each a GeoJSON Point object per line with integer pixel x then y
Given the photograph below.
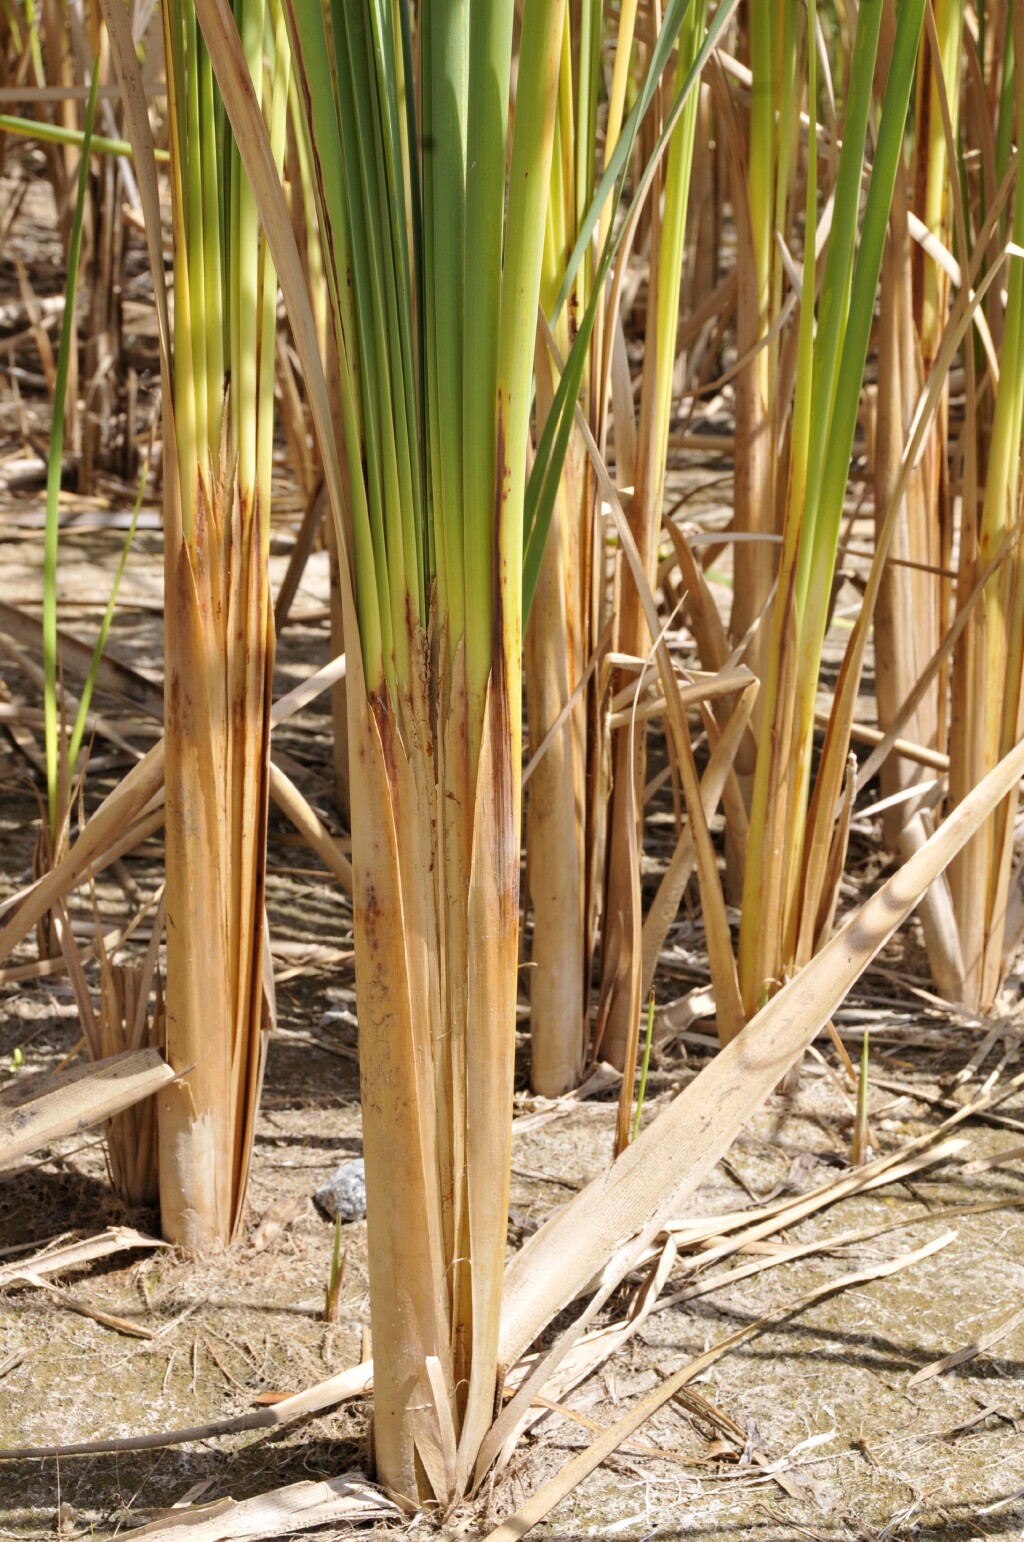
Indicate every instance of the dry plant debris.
{"type": "Point", "coordinates": [278, 1513]}
{"type": "Point", "coordinates": [106, 1088]}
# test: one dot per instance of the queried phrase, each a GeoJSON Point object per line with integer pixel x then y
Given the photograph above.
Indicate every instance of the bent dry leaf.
{"type": "Point", "coordinates": [541, 1503]}
{"type": "Point", "coordinates": [678, 1149]}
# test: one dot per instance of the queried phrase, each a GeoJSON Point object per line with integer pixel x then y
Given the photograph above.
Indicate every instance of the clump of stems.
{"type": "Point", "coordinates": [218, 629]}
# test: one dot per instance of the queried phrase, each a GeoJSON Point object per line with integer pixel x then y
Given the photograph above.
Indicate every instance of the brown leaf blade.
{"type": "Point", "coordinates": [552, 1493]}
{"type": "Point", "coordinates": [277, 1513]}
{"type": "Point", "coordinates": [679, 1148]}
{"type": "Point", "coordinates": [110, 1086]}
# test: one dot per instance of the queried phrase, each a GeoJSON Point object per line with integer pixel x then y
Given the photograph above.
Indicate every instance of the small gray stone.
{"type": "Point", "coordinates": [344, 1193]}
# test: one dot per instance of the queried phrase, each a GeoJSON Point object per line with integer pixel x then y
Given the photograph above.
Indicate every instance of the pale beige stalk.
{"type": "Point", "coordinates": [553, 663]}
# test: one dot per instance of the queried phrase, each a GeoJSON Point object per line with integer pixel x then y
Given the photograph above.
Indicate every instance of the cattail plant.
{"type": "Point", "coordinates": [914, 592]}
{"type": "Point", "coordinates": [63, 748]}
{"type": "Point", "coordinates": [576, 861]}
{"type": "Point", "coordinates": [60, 757]}
{"type": "Point", "coordinates": [617, 1021]}
{"type": "Point", "coordinates": [433, 260]}
{"type": "Point", "coordinates": [218, 623]}
{"type": "Point", "coordinates": [565, 616]}
{"type": "Point", "coordinates": [988, 709]}
{"type": "Point", "coordinates": [922, 616]}
{"type": "Point", "coordinates": [568, 591]}
{"type": "Point", "coordinates": [790, 846]}
{"type": "Point", "coordinates": [435, 337]}
{"type": "Point", "coordinates": [761, 163]}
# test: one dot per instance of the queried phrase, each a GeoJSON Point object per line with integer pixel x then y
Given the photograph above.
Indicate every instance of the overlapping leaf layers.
{"type": "Point", "coordinates": [960, 199]}
{"type": "Point", "coordinates": [988, 700]}
{"type": "Point", "coordinates": [796, 849]}
{"type": "Point", "coordinates": [913, 601]}
{"type": "Point", "coordinates": [434, 261]}
{"type": "Point", "coordinates": [618, 1017]}
{"type": "Point", "coordinates": [573, 621]}
{"type": "Point", "coordinates": [219, 632]}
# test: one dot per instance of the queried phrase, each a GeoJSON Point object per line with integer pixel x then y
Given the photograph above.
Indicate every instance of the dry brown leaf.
{"type": "Point", "coordinates": [351, 1383]}
{"type": "Point", "coordinates": [631, 1203]}
{"type": "Point", "coordinates": [56, 1260]}
{"type": "Point", "coordinates": [278, 1513]}
{"type": "Point", "coordinates": [85, 1308]}
{"type": "Point", "coordinates": [573, 1473]}
{"type": "Point", "coordinates": [108, 1087]}
{"type": "Point", "coordinates": [961, 1356]}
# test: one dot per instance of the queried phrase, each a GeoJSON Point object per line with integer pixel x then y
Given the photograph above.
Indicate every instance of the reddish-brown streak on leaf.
{"type": "Point", "coordinates": [386, 735]}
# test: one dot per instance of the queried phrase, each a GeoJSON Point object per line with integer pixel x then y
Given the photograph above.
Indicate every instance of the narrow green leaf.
{"type": "Point", "coordinates": [53, 472]}
{"type": "Point", "coordinates": [837, 442]}
{"type": "Point", "coordinates": [645, 1066]}
{"type": "Point", "coordinates": [101, 641]}
{"type": "Point", "coordinates": [543, 483]}
{"type": "Point", "coordinates": [490, 55]}
{"type": "Point", "coordinates": [834, 305]}
{"type": "Point", "coordinates": [56, 134]}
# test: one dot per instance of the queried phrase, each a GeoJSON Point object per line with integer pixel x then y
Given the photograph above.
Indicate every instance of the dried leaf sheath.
{"type": "Point", "coordinates": [218, 637]}
{"type": "Point", "coordinates": [493, 928]}
{"type": "Point", "coordinates": [436, 1061]}
{"type": "Point", "coordinates": [394, 859]}
{"type": "Point", "coordinates": [556, 822]}
{"type": "Point", "coordinates": [219, 651]}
